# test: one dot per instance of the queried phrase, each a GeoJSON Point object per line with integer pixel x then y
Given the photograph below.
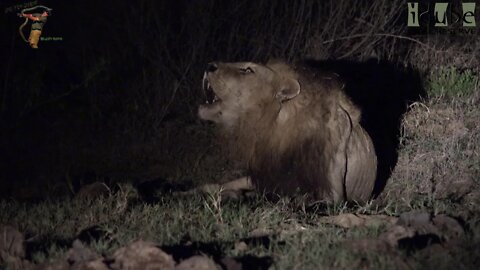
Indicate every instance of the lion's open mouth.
{"type": "Point", "coordinates": [210, 95]}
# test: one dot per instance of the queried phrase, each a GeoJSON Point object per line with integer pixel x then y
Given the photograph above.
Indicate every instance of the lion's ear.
{"type": "Point", "coordinates": [289, 89]}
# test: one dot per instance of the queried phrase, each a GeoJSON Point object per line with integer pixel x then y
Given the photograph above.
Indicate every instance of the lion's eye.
{"type": "Point", "coordinates": [247, 70]}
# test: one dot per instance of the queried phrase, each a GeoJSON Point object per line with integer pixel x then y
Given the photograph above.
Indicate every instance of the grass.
{"type": "Point", "coordinates": [452, 83]}
{"type": "Point", "coordinates": [297, 239]}
{"type": "Point", "coordinates": [438, 172]}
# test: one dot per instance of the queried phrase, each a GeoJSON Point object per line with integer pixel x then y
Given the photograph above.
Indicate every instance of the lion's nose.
{"type": "Point", "coordinates": [211, 67]}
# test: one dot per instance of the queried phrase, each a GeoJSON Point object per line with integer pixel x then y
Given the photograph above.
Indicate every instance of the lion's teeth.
{"type": "Point", "coordinates": [204, 82]}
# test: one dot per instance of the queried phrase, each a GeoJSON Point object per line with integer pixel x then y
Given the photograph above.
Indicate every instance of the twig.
{"type": "Point", "coordinates": [384, 35]}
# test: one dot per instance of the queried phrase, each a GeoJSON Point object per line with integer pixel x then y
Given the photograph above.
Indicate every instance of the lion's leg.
{"type": "Point", "coordinates": [362, 166]}
{"type": "Point", "coordinates": [337, 166]}
{"type": "Point", "coordinates": [232, 189]}
{"type": "Point", "coordinates": [236, 189]}
{"type": "Point", "coordinates": [338, 170]}
{"type": "Point", "coordinates": [243, 183]}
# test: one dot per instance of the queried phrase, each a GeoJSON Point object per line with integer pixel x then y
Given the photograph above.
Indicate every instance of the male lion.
{"type": "Point", "coordinates": [293, 127]}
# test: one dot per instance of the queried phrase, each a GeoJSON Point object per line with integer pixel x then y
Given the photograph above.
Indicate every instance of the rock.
{"type": "Point", "coordinates": [198, 263]}
{"type": "Point", "coordinates": [12, 248]}
{"type": "Point", "coordinates": [448, 227]}
{"type": "Point", "coordinates": [83, 258]}
{"type": "Point", "coordinates": [91, 265]}
{"type": "Point", "coordinates": [78, 257]}
{"type": "Point", "coordinates": [232, 264]}
{"type": "Point", "coordinates": [79, 253]}
{"type": "Point", "coordinates": [445, 227]}
{"type": "Point", "coordinates": [141, 255]}
{"type": "Point", "coordinates": [414, 219]}
{"type": "Point", "coordinates": [412, 231]}
{"type": "Point", "coordinates": [11, 243]}
{"type": "Point", "coordinates": [57, 265]}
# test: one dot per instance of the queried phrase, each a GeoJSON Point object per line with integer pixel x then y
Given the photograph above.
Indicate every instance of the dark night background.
{"type": "Point", "coordinates": [99, 130]}
{"type": "Point", "coordinates": [116, 98]}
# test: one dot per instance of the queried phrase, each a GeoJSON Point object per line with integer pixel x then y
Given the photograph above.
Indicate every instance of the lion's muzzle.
{"type": "Point", "coordinates": [210, 110]}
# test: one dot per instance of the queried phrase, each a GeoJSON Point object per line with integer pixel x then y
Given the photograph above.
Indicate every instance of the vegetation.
{"type": "Point", "coordinates": [452, 83]}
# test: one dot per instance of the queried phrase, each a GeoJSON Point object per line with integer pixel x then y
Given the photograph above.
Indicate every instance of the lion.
{"type": "Point", "coordinates": [293, 128]}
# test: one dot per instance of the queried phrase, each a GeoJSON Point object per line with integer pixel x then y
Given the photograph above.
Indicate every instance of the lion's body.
{"type": "Point", "coordinates": [294, 128]}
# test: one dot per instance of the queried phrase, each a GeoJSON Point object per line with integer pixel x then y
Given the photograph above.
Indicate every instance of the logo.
{"type": "Point", "coordinates": [442, 17]}
{"type": "Point", "coordinates": [38, 15]}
